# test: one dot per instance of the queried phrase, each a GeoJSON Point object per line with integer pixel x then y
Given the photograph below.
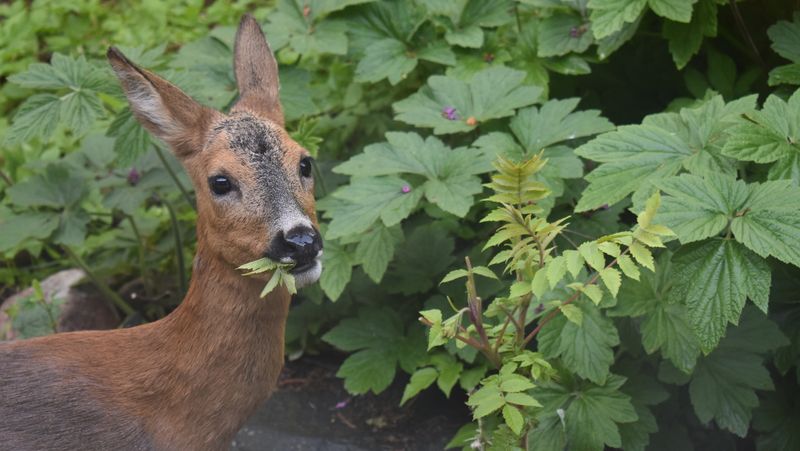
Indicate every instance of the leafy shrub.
{"type": "Point", "coordinates": [428, 117]}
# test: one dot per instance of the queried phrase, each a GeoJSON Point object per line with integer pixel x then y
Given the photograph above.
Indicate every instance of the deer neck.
{"type": "Point", "coordinates": [223, 352]}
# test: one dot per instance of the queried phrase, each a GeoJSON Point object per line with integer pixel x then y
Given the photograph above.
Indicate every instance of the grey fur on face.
{"type": "Point", "coordinates": [257, 144]}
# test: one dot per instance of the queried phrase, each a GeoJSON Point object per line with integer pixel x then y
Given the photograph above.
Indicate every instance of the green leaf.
{"type": "Point", "coordinates": [513, 418]}
{"type": "Point", "coordinates": [612, 280]}
{"type": "Point", "coordinates": [572, 313]}
{"type": "Point", "coordinates": [80, 110]}
{"type": "Point", "coordinates": [451, 183]}
{"type": "Point", "coordinates": [375, 250]}
{"type": "Point", "coordinates": [485, 401]}
{"type": "Point", "coordinates": [37, 117]}
{"type": "Point", "coordinates": [635, 157]}
{"type": "Point", "coordinates": [714, 277]}
{"type": "Point", "coordinates": [354, 208]}
{"type": "Point", "coordinates": [785, 37]}
{"type": "Point", "coordinates": [665, 325]}
{"type": "Point", "coordinates": [769, 224]}
{"type": "Point", "coordinates": [697, 207]}
{"type": "Point", "coordinates": [561, 34]}
{"type": "Point", "coordinates": [585, 349]}
{"type": "Point", "coordinates": [491, 93]}
{"type": "Point", "coordinates": [677, 10]}
{"type": "Point", "coordinates": [724, 384]}
{"type": "Point", "coordinates": [772, 135]}
{"type": "Point", "coordinates": [592, 413]}
{"type": "Point", "coordinates": [609, 16]}
{"type": "Point", "coordinates": [18, 228]}
{"type": "Point", "coordinates": [685, 39]}
{"type": "Point", "coordinates": [132, 140]}
{"type": "Point", "coordinates": [59, 187]}
{"type": "Point", "coordinates": [338, 266]}
{"type": "Point", "coordinates": [555, 122]}
{"type": "Point", "coordinates": [367, 370]}
{"type": "Point", "coordinates": [387, 58]}
{"type": "Point", "coordinates": [515, 383]}
{"type": "Point", "coordinates": [420, 380]}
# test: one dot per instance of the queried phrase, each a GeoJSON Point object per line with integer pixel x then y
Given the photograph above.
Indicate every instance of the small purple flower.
{"type": "Point", "coordinates": [449, 113]}
{"type": "Point", "coordinates": [406, 189]}
{"type": "Point", "coordinates": [133, 177]}
{"type": "Point", "coordinates": [342, 404]}
{"type": "Point", "coordinates": [576, 32]}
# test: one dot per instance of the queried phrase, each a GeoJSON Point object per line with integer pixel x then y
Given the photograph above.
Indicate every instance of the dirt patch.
{"type": "Point", "coordinates": [312, 411]}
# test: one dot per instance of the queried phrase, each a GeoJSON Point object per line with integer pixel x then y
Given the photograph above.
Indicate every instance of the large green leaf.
{"type": "Point", "coordinates": [724, 383]}
{"type": "Point", "coordinates": [18, 228]}
{"type": "Point", "coordinates": [591, 414]}
{"type": "Point", "coordinates": [561, 34]}
{"type": "Point", "coordinates": [714, 277]}
{"type": "Point", "coordinates": [59, 187]}
{"type": "Point", "coordinates": [338, 267]}
{"type": "Point", "coordinates": [375, 250]}
{"type": "Point", "coordinates": [771, 135]}
{"type": "Point", "coordinates": [685, 39]}
{"type": "Point", "coordinates": [635, 157]}
{"type": "Point", "coordinates": [451, 105]}
{"type": "Point", "coordinates": [609, 16]}
{"type": "Point", "coordinates": [382, 345]}
{"type": "Point", "coordinates": [785, 37]}
{"type": "Point", "coordinates": [555, 122]}
{"type": "Point", "coordinates": [665, 324]}
{"type": "Point", "coordinates": [451, 173]}
{"type": "Point", "coordinates": [585, 349]}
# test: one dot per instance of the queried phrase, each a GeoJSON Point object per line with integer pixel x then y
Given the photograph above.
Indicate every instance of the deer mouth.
{"type": "Point", "coordinates": [304, 266]}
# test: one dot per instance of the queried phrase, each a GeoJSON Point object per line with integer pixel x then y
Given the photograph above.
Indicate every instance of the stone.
{"type": "Point", "coordinates": [82, 307]}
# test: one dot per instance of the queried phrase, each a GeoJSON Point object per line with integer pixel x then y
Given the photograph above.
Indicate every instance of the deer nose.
{"type": "Point", "coordinates": [300, 244]}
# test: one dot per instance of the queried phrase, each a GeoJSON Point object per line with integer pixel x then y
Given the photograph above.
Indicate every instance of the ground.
{"type": "Point", "coordinates": [312, 411]}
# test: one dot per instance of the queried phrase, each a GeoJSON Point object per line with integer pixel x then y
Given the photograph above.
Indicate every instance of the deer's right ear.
{"type": "Point", "coordinates": [161, 107]}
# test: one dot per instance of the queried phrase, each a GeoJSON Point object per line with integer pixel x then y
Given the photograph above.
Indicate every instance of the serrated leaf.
{"type": "Point", "coordinates": [420, 380]}
{"type": "Point", "coordinates": [609, 16]}
{"type": "Point", "coordinates": [593, 292]}
{"type": "Point", "coordinates": [592, 255]}
{"type": "Point", "coordinates": [714, 277]}
{"type": "Point", "coordinates": [561, 34]}
{"type": "Point", "coordinates": [628, 267]}
{"type": "Point", "coordinates": [612, 280]}
{"type": "Point", "coordinates": [574, 262]}
{"type": "Point", "coordinates": [375, 250]}
{"type": "Point", "coordinates": [685, 39]}
{"type": "Point", "coordinates": [338, 266]}
{"type": "Point", "coordinates": [573, 313]}
{"type": "Point", "coordinates": [521, 399]}
{"type": "Point", "coordinates": [513, 418]}
{"type": "Point", "coordinates": [386, 58]}
{"type": "Point", "coordinates": [491, 93]}
{"type": "Point", "coordinates": [785, 37]}
{"type": "Point", "coordinates": [37, 117]}
{"type": "Point", "coordinates": [642, 255]}
{"type": "Point", "coordinates": [591, 414]}
{"type": "Point", "coordinates": [556, 270]}
{"type": "Point", "coordinates": [555, 122]}
{"type": "Point", "coordinates": [454, 275]}
{"type": "Point", "coordinates": [584, 349]}
{"type": "Point", "coordinates": [677, 10]}
{"type": "Point", "coordinates": [724, 384]}
{"type": "Point", "coordinates": [18, 228]}
{"type": "Point", "coordinates": [700, 207]}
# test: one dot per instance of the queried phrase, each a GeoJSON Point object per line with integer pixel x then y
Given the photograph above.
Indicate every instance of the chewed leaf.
{"type": "Point", "coordinates": [281, 274]}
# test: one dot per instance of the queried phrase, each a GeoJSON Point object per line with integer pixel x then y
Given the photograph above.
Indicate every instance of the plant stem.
{"type": "Point", "coordinates": [737, 15]}
{"type": "Point", "coordinates": [174, 176]}
{"type": "Point", "coordinates": [572, 299]}
{"type": "Point", "coordinates": [176, 232]}
{"type": "Point", "coordinates": [140, 247]}
{"type": "Point", "coordinates": [102, 286]}
{"type": "Point", "coordinates": [6, 178]}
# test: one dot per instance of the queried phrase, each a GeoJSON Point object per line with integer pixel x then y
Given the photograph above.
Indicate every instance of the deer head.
{"type": "Point", "coordinates": [254, 184]}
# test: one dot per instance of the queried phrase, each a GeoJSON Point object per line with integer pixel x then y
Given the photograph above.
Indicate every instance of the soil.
{"type": "Point", "coordinates": [312, 411]}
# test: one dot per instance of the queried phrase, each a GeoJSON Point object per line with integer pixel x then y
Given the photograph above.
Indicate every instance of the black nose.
{"type": "Point", "coordinates": [301, 244]}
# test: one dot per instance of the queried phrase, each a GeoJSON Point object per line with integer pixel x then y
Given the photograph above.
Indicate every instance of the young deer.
{"type": "Point", "coordinates": [190, 380]}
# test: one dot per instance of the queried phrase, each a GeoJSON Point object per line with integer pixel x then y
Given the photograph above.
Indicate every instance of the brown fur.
{"type": "Point", "coordinates": [190, 380]}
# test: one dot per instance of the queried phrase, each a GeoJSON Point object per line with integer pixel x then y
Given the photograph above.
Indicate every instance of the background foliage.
{"type": "Point", "coordinates": [406, 105]}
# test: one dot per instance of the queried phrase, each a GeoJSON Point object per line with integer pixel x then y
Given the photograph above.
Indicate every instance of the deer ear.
{"type": "Point", "coordinates": [256, 72]}
{"type": "Point", "coordinates": [161, 107]}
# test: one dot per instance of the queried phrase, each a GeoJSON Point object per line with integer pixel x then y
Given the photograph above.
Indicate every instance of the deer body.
{"type": "Point", "coordinates": [190, 380]}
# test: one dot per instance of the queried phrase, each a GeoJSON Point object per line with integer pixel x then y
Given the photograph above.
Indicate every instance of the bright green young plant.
{"type": "Point", "coordinates": [562, 292]}
{"type": "Point", "coordinates": [280, 274]}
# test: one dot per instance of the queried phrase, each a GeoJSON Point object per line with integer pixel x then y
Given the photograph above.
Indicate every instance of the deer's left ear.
{"type": "Point", "coordinates": [256, 72]}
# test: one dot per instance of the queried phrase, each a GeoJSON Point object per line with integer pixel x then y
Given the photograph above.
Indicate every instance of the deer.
{"type": "Point", "coordinates": [190, 380]}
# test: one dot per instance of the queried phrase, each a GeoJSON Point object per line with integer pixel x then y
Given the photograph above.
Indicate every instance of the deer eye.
{"type": "Point", "coordinates": [305, 167]}
{"type": "Point", "coordinates": [220, 184]}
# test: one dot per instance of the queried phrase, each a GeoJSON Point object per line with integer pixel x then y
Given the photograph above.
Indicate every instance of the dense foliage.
{"type": "Point", "coordinates": [607, 267]}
